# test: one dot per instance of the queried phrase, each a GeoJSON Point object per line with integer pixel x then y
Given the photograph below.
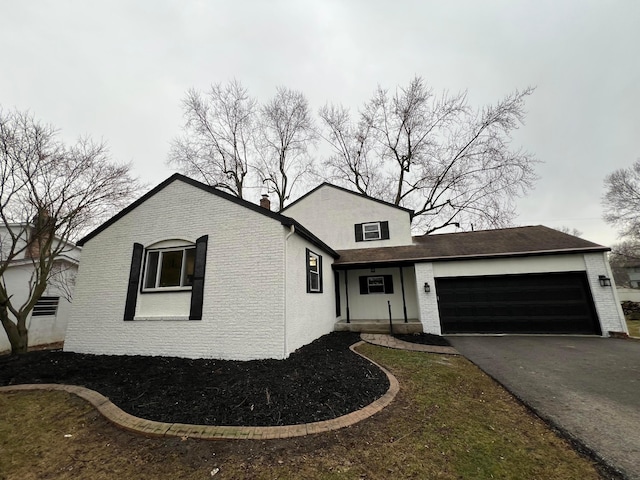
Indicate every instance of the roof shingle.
{"type": "Point", "coordinates": [506, 242]}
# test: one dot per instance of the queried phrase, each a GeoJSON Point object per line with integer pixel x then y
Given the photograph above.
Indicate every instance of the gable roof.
{"type": "Point", "coordinates": [285, 221]}
{"type": "Point", "coordinates": [505, 242]}
{"type": "Point", "coordinates": [326, 184]}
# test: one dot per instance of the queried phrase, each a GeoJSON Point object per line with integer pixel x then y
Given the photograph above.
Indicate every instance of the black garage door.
{"type": "Point", "coordinates": [535, 303]}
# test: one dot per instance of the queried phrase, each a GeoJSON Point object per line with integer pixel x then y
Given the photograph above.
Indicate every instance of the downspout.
{"type": "Point", "coordinates": [292, 230]}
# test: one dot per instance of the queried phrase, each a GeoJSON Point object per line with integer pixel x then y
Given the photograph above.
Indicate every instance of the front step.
{"type": "Point", "coordinates": [378, 326]}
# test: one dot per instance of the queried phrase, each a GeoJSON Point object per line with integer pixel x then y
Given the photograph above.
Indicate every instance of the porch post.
{"type": "Point", "coordinates": [346, 293]}
{"type": "Point", "coordinates": [404, 303]}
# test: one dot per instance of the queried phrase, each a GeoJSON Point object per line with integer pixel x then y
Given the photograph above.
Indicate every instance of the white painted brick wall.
{"type": "Point", "coordinates": [243, 307]}
{"type": "Point", "coordinates": [605, 298]}
{"type": "Point", "coordinates": [429, 314]}
{"type": "Point", "coordinates": [309, 315]}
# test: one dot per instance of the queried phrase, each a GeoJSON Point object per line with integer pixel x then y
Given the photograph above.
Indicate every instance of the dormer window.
{"type": "Point", "coordinates": [371, 231]}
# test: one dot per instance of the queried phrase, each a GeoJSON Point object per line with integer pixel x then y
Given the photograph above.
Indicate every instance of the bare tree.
{"type": "Point", "coordinates": [217, 145]}
{"type": "Point", "coordinates": [49, 194]}
{"type": "Point", "coordinates": [621, 201]}
{"type": "Point", "coordinates": [570, 231]}
{"type": "Point", "coordinates": [433, 153]}
{"type": "Point", "coordinates": [287, 132]}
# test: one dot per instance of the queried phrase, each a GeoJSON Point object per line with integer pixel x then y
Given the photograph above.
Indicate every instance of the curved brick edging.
{"type": "Point", "coordinates": [211, 432]}
{"type": "Point", "coordinates": [384, 340]}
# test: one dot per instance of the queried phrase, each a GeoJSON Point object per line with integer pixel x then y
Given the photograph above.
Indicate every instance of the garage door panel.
{"type": "Point", "coordinates": [536, 303]}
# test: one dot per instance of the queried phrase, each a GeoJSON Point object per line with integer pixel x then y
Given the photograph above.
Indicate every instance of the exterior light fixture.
{"type": "Point", "coordinates": [604, 281]}
{"type": "Point", "coordinates": [427, 287]}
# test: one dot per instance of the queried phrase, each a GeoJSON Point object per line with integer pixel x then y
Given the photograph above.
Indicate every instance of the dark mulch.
{"type": "Point", "coordinates": [320, 381]}
{"type": "Point", "coordinates": [424, 339]}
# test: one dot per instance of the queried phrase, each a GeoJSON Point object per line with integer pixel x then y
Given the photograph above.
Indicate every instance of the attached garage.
{"type": "Point", "coordinates": [543, 303]}
{"type": "Point", "coordinates": [523, 280]}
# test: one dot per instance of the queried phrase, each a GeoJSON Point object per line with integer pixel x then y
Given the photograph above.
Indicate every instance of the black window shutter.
{"type": "Point", "coordinates": [384, 230]}
{"type": "Point", "coordinates": [359, 237]}
{"type": "Point", "coordinates": [308, 270]}
{"type": "Point", "coordinates": [336, 279]}
{"type": "Point", "coordinates": [388, 283]}
{"type": "Point", "coordinates": [320, 281]}
{"type": "Point", "coordinates": [134, 280]}
{"type": "Point", "coordinates": [197, 289]}
{"type": "Point", "coordinates": [364, 286]}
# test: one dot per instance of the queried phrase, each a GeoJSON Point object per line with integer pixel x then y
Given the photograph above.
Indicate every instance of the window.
{"type": "Point", "coordinates": [314, 272]}
{"type": "Point", "coordinates": [169, 268]}
{"type": "Point", "coordinates": [369, 231]}
{"type": "Point", "coordinates": [376, 284]}
{"type": "Point", "coordinates": [45, 306]}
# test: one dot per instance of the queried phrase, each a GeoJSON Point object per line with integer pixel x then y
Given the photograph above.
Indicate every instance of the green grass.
{"type": "Point", "coordinates": [449, 421]}
{"type": "Point", "coordinates": [634, 327]}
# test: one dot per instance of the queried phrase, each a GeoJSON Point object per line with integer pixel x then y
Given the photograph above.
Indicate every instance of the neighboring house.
{"type": "Point", "coordinates": [47, 322]}
{"type": "Point", "coordinates": [190, 271]}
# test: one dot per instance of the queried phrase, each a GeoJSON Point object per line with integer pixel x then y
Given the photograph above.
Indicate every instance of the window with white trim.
{"type": "Point", "coordinates": [46, 306]}
{"type": "Point", "coordinates": [169, 268]}
{"type": "Point", "coordinates": [314, 272]}
{"type": "Point", "coordinates": [371, 231]}
{"type": "Point", "coordinates": [373, 284]}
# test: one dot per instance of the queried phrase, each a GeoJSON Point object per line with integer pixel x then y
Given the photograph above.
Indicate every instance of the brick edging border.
{"type": "Point", "coordinates": [152, 428]}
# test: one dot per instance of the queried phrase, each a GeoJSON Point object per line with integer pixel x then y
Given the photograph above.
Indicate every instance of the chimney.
{"type": "Point", "coordinates": [265, 202]}
{"type": "Point", "coordinates": [38, 234]}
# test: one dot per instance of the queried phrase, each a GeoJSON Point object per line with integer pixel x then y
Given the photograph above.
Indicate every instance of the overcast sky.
{"type": "Point", "coordinates": [118, 70]}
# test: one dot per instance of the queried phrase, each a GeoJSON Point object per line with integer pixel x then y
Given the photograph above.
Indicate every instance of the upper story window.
{"type": "Point", "coordinates": [170, 268]}
{"type": "Point", "coordinates": [369, 231]}
{"type": "Point", "coordinates": [314, 272]}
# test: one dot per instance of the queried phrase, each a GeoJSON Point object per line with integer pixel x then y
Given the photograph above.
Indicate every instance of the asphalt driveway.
{"type": "Point", "coordinates": [587, 386]}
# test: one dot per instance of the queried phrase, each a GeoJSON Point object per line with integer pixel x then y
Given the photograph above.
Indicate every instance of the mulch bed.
{"type": "Point", "coordinates": [424, 339]}
{"type": "Point", "coordinates": [320, 381]}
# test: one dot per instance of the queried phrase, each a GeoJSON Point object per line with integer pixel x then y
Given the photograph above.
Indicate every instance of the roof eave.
{"type": "Point", "coordinates": [409, 261]}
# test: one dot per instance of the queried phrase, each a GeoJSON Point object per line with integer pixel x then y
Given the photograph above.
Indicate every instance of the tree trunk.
{"type": "Point", "coordinates": [17, 333]}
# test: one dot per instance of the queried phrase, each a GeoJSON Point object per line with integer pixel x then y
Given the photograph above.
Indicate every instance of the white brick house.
{"type": "Point", "coordinates": [190, 271]}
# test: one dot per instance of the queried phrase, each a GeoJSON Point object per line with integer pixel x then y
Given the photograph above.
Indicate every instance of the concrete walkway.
{"type": "Point", "coordinates": [588, 387]}
{"type": "Point", "coordinates": [388, 341]}
{"type": "Point", "coordinates": [211, 432]}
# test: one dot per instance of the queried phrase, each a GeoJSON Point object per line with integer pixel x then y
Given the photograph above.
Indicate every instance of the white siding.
{"type": "Point", "coordinates": [243, 309]}
{"type": "Point", "coordinates": [509, 266]}
{"type": "Point", "coordinates": [42, 329]}
{"type": "Point", "coordinates": [308, 315]}
{"type": "Point", "coordinates": [331, 213]}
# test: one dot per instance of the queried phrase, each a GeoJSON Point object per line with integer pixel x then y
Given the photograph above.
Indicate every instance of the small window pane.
{"type": "Point", "coordinates": [189, 267]}
{"type": "Point", "coordinates": [152, 269]}
{"type": "Point", "coordinates": [376, 284]}
{"type": "Point", "coordinates": [314, 282]}
{"type": "Point", "coordinates": [313, 263]}
{"type": "Point", "coordinates": [171, 269]}
{"type": "Point", "coordinates": [371, 231]}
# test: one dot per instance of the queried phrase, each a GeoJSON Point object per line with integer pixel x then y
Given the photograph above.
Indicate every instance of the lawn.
{"type": "Point", "coordinates": [449, 421]}
{"type": "Point", "coordinates": [634, 327]}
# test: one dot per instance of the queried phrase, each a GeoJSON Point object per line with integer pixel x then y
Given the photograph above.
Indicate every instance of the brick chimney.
{"type": "Point", "coordinates": [38, 234]}
{"type": "Point", "coordinates": [265, 202]}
